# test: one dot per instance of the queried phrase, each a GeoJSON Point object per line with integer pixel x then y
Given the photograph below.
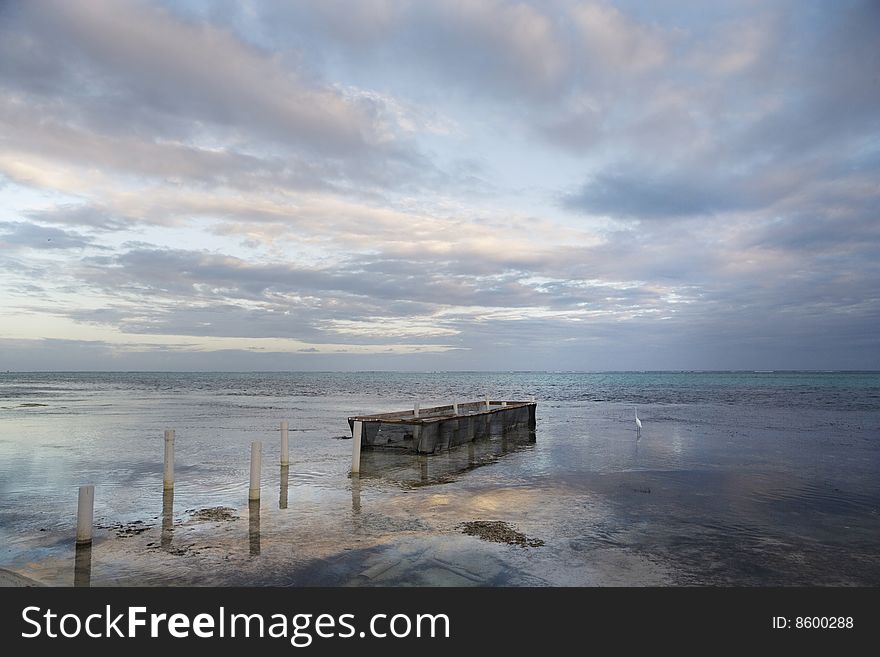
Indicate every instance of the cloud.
{"type": "Point", "coordinates": [20, 234]}
{"type": "Point", "coordinates": [574, 182]}
{"type": "Point", "coordinates": [618, 43]}
{"type": "Point", "coordinates": [149, 58]}
{"type": "Point", "coordinates": [127, 88]}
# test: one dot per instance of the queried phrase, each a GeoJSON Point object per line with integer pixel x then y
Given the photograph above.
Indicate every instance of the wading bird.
{"type": "Point", "coordinates": [638, 423]}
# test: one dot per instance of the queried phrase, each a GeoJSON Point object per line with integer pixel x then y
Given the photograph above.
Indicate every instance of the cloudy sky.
{"type": "Point", "coordinates": [439, 185]}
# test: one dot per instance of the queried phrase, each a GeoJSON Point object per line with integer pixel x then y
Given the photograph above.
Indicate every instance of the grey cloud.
{"type": "Point", "coordinates": [643, 195]}
{"type": "Point", "coordinates": [132, 88]}
{"type": "Point", "coordinates": [173, 68]}
{"type": "Point", "coordinates": [758, 144]}
{"type": "Point", "coordinates": [86, 216]}
{"type": "Point", "coordinates": [529, 50]}
{"type": "Point", "coordinates": [20, 234]}
{"type": "Point", "coordinates": [179, 271]}
{"type": "Point", "coordinates": [496, 47]}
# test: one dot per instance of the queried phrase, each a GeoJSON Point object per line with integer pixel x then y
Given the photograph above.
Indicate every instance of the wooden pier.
{"type": "Point", "coordinates": [430, 430]}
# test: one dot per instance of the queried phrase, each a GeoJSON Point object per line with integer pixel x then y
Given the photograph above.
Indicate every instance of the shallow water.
{"type": "Point", "coordinates": [737, 478]}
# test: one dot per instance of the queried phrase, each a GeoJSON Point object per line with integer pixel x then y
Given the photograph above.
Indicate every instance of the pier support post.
{"type": "Point", "coordinates": [256, 463]}
{"type": "Point", "coordinates": [455, 408]}
{"type": "Point", "coordinates": [168, 477]}
{"type": "Point", "coordinates": [416, 409]}
{"type": "Point", "coordinates": [85, 514]}
{"type": "Point", "coordinates": [417, 438]}
{"type": "Point", "coordinates": [356, 432]}
{"type": "Point", "coordinates": [285, 445]}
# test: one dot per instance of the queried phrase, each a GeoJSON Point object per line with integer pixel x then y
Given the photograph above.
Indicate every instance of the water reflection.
{"type": "Point", "coordinates": [254, 527]}
{"type": "Point", "coordinates": [167, 518]}
{"type": "Point", "coordinates": [356, 493]}
{"type": "Point", "coordinates": [82, 567]}
{"type": "Point", "coordinates": [282, 496]}
{"type": "Point", "coordinates": [424, 470]}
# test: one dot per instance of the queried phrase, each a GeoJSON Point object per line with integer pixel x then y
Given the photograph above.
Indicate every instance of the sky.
{"type": "Point", "coordinates": [439, 185]}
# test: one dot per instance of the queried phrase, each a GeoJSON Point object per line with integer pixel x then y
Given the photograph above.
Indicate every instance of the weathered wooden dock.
{"type": "Point", "coordinates": [431, 430]}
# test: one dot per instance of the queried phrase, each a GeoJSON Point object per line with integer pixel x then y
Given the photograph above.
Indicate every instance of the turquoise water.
{"type": "Point", "coordinates": [737, 478]}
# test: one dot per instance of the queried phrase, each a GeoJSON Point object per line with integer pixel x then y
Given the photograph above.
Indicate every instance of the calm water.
{"type": "Point", "coordinates": [738, 478]}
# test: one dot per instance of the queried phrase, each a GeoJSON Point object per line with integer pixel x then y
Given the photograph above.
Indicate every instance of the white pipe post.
{"type": "Point", "coordinates": [455, 408]}
{"type": "Point", "coordinates": [168, 478]}
{"type": "Point", "coordinates": [285, 445]}
{"type": "Point", "coordinates": [85, 514]}
{"type": "Point", "coordinates": [504, 403]}
{"type": "Point", "coordinates": [356, 446]}
{"type": "Point", "coordinates": [256, 463]}
{"type": "Point", "coordinates": [487, 402]}
{"type": "Point", "coordinates": [416, 409]}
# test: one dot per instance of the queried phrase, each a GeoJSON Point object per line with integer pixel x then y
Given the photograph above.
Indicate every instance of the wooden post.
{"type": "Point", "coordinates": [285, 445]}
{"type": "Point", "coordinates": [356, 446]}
{"type": "Point", "coordinates": [168, 478]}
{"type": "Point", "coordinates": [256, 463]}
{"type": "Point", "coordinates": [417, 437]}
{"type": "Point", "coordinates": [85, 514]}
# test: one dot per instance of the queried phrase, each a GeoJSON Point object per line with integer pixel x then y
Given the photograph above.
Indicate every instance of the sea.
{"type": "Point", "coordinates": [735, 479]}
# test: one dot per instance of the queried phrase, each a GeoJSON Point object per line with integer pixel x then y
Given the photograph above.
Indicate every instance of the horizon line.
{"type": "Point", "coordinates": [390, 371]}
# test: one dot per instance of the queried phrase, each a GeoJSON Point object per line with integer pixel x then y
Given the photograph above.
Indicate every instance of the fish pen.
{"type": "Point", "coordinates": [431, 430]}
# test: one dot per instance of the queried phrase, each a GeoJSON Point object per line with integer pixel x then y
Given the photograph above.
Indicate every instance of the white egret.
{"type": "Point", "coordinates": [638, 423]}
